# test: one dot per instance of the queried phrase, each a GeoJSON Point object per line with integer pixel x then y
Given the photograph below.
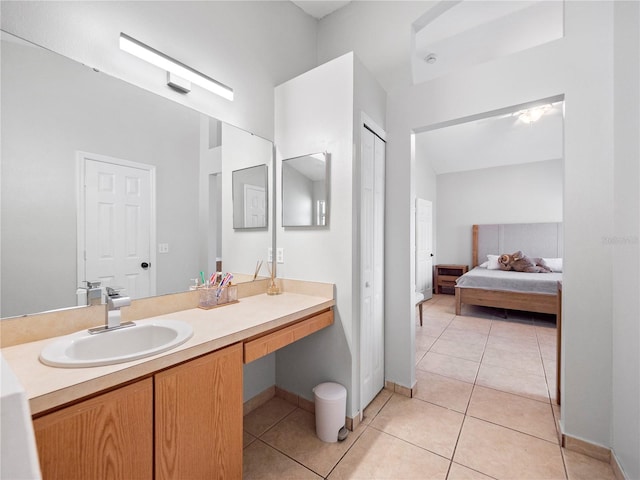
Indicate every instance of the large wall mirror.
{"type": "Point", "coordinates": [305, 192]}
{"type": "Point", "coordinates": [75, 142]}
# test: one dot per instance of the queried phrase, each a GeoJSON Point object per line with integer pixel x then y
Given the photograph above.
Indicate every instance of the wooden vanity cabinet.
{"type": "Point", "coordinates": [107, 436]}
{"type": "Point", "coordinates": [193, 411]}
{"type": "Point", "coordinates": [198, 423]}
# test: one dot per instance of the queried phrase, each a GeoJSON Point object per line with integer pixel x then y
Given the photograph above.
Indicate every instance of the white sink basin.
{"type": "Point", "coordinates": [81, 349]}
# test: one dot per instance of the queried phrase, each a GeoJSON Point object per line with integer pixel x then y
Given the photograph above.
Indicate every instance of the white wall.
{"type": "Point", "coordinates": [233, 42]}
{"type": "Point", "coordinates": [298, 196]}
{"type": "Point", "coordinates": [552, 69]}
{"type": "Point", "coordinates": [626, 259]}
{"type": "Point", "coordinates": [314, 113]}
{"type": "Point", "coordinates": [322, 110]}
{"type": "Point", "coordinates": [526, 193]}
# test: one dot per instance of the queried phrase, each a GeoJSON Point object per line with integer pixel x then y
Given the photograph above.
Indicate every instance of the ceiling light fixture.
{"type": "Point", "coordinates": [174, 68]}
{"type": "Point", "coordinates": [431, 58]}
{"type": "Point", "coordinates": [534, 114]}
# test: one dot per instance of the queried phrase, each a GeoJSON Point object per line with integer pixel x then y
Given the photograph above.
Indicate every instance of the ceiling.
{"type": "Point", "coordinates": [320, 9]}
{"type": "Point", "coordinates": [494, 141]}
{"type": "Point", "coordinates": [392, 38]}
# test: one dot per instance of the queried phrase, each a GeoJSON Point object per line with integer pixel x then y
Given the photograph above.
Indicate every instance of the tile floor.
{"type": "Point", "coordinates": [484, 408]}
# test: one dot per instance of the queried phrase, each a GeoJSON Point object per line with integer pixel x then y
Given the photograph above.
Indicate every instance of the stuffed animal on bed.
{"type": "Point", "coordinates": [521, 263]}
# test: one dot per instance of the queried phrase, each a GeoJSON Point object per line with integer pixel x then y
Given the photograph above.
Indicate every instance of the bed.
{"type": "Point", "coordinates": [532, 292]}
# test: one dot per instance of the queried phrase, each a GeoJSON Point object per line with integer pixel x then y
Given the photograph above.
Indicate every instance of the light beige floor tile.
{"type": "Point", "coordinates": [513, 411]}
{"type": "Point", "coordinates": [479, 325]}
{"type": "Point", "coordinates": [443, 391]}
{"type": "Point", "coordinates": [436, 317]}
{"type": "Point", "coordinates": [548, 351]}
{"type": "Point", "coordinates": [419, 354]}
{"type": "Point", "coordinates": [448, 366]}
{"type": "Point", "coordinates": [512, 329]}
{"type": "Point", "coordinates": [505, 454]}
{"type": "Point", "coordinates": [266, 416]}
{"type": "Point", "coordinates": [513, 381]}
{"type": "Point", "coordinates": [582, 467]}
{"type": "Point", "coordinates": [514, 344]}
{"type": "Point", "coordinates": [432, 330]}
{"type": "Point", "coordinates": [464, 336]}
{"type": "Point", "coordinates": [420, 423]}
{"type": "Point", "coordinates": [376, 405]}
{"type": "Point", "coordinates": [459, 472]}
{"type": "Point", "coordinates": [547, 336]}
{"type": "Point", "coordinates": [377, 455]}
{"type": "Point", "coordinates": [424, 341]}
{"type": "Point", "coordinates": [468, 351]}
{"type": "Point", "coordinates": [295, 436]}
{"type": "Point", "coordinates": [247, 439]}
{"type": "Point", "coordinates": [260, 461]}
{"type": "Point", "coordinates": [530, 362]}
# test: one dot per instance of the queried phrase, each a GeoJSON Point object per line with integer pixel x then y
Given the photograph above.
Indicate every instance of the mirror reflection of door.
{"type": "Point", "coordinates": [255, 208]}
{"type": "Point", "coordinates": [117, 225]}
{"type": "Point", "coordinates": [250, 197]}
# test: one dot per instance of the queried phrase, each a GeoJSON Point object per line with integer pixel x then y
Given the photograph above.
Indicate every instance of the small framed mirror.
{"type": "Point", "coordinates": [250, 194]}
{"type": "Point", "coordinates": [305, 192]}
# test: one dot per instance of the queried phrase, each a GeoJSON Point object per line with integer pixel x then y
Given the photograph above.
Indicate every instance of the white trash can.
{"type": "Point", "coordinates": [331, 410]}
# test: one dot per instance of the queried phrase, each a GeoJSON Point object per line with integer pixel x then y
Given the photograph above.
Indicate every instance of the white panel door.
{"type": "Point", "coordinates": [371, 266]}
{"type": "Point", "coordinates": [117, 226]}
{"type": "Point", "coordinates": [255, 208]}
{"type": "Point", "coordinates": [424, 247]}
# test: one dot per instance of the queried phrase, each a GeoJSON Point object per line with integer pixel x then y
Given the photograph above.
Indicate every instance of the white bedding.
{"type": "Point", "coordinates": [486, 279]}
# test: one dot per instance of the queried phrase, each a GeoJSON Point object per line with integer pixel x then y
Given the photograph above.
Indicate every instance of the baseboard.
{"type": "Point", "coordinates": [258, 400]}
{"type": "Point", "coordinates": [292, 398]}
{"type": "Point", "coordinates": [617, 469]}
{"type": "Point", "coordinates": [400, 389]}
{"type": "Point", "coordinates": [592, 450]}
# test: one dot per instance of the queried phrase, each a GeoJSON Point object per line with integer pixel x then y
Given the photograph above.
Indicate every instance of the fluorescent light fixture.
{"type": "Point", "coordinates": [159, 59]}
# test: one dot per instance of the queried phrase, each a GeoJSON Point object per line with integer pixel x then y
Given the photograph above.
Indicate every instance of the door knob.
{"type": "Point", "coordinates": [366, 284]}
{"type": "Point", "coordinates": [144, 265]}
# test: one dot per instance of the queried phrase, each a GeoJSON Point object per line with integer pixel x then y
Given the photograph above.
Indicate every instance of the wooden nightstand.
{"type": "Point", "coordinates": [445, 277]}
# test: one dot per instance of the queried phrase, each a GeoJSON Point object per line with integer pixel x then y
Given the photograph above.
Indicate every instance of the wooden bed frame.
{"type": "Point", "coordinates": [530, 302]}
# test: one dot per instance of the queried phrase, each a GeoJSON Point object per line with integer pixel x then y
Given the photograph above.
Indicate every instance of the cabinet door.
{"type": "Point", "coordinates": [199, 418]}
{"type": "Point", "coordinates": [109, 436]}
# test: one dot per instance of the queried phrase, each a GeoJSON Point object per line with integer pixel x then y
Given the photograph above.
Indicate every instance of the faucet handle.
{"type": "Point", "coordinates": [114, 291]}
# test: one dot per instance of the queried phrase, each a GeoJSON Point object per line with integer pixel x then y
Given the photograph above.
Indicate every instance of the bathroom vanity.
{"type": "Point", "coordinates": [173, 415]}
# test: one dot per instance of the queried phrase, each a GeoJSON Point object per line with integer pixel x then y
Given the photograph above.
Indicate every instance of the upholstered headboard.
{"type": "Point", "coordinates": [533, 239]}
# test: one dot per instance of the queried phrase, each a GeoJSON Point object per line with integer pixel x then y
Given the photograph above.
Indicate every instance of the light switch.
{"type": "Point", "coordinates": [163, 248]}
{"type": "Point", "coordinates": [280, 255]}
{"type": "Point", "coordinates": [270, 255]}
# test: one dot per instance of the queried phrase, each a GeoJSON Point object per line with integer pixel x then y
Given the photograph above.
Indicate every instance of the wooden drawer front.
{"type": "Point", "coordinates": [271, 342]}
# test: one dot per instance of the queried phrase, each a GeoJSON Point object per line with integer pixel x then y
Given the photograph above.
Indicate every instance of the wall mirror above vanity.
{"type": "Point", "coordinates": [68, 132]}
{"type": "Point", "coordinates": [305, 191]}
{"type": "Point", "coordinates": [250, 197]}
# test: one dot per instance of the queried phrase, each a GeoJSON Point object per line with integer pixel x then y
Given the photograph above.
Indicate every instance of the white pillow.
{"type": "Point", "coordinates": [492, 261]}
{"type": "Point", "coordinates": [555, 264]}
{"type": "Point", "coordinates": [484, 264]}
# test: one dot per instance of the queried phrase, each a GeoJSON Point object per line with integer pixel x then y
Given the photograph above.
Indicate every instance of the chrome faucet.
{"type": "Point", "coordinates": [113, 316]}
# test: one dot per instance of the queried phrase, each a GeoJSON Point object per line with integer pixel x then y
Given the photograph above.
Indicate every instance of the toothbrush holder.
{"type": "Point", "coordinates": [212, 297]}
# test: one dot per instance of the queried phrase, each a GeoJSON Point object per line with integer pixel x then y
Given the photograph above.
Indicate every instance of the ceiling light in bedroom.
{"type": "Point", "coordinates": [534, 114]}
{"type": "Point", "coordinates": [175, 67]}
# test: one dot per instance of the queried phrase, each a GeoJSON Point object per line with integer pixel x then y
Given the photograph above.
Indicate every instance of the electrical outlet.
{"type": "Point", "coordinates": [270, 255]}
{"type": "Point", "coordinates": [163, 248]}
{"type": "Point", "coordinates": [280, 255]}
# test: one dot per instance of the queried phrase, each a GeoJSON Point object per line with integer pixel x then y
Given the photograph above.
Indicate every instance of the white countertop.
{"type": "Point", "coordinates": [48, 387]}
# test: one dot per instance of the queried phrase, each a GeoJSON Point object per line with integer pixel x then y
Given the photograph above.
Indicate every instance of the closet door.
{"type": "Point", "coordinates": [371, 265]}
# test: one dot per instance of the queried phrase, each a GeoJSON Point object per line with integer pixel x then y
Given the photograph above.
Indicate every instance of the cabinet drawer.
{"type": "Point", "coordinates": [266, 344]}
